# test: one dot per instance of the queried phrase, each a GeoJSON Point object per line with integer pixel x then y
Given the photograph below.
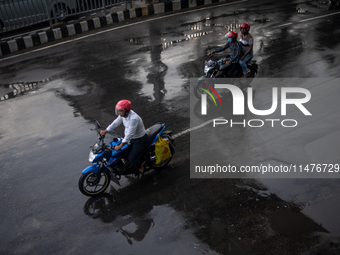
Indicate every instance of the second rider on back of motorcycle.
{"type": "Point", "coordinates": [241, 52]}
{"type": "Point", "coordinates": [246, 42]}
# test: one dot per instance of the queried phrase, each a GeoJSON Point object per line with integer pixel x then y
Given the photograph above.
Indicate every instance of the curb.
{"type": "Point", "coordinates": [55, 34]}
{"type": "Point", "coordinates": [18, 88]}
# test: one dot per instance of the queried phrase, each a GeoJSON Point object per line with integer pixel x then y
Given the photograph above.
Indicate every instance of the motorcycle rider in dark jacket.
{"type": "Point", "coordinates": [232, 63]}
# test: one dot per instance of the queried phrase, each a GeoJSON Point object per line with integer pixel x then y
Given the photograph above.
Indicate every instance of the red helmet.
{"type": "Point", "coordinates": [245, 25]}
{"type": "Point", "coordinates": [231, 34]}
{"type": "Point", "coordinates": [123, 105]}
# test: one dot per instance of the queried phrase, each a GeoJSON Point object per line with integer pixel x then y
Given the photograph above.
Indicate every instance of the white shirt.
{"type": "Point", "coordinates": [134, 126]}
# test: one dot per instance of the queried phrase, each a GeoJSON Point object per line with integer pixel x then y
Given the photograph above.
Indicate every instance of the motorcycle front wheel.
{"type": "Point", "coordinates": [91, 184]}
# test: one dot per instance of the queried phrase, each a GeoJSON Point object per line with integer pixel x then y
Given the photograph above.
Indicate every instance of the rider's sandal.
{"type": "Point", "coordinates": [140, 175]}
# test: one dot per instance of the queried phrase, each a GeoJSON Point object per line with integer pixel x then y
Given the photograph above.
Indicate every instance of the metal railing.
{"type": "Point", "coordinates": [16, 14]}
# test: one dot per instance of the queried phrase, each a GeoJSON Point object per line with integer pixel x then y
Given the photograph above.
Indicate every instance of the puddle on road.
{"type": "Point", "coordinates": [314, 6]}
{"type": "Point", "coordinates": [263, 20]}
{"type": "Point", "coordinates": [149, 43]}
{"type": "Point", "coordinates": [155, 64]}
{"type": "Point", "coordinates": [156, 68]}
{"type": "Point", "coordinates": [154, 231]}
{"type": "Point", "coordinates": [326, 211]}
{"type": "Point", "coordinates": [29, 75]}
{"type": "Point", "coordinates": [228, 217]}
{"type": "Point", "coordinates": [70, 87]}
{"type": "Point", "coordinates": [288, 222]}
{"type": "Point", "coordinates": [10, 91]}
{"type": "Point", "coordinates": [318, 198]}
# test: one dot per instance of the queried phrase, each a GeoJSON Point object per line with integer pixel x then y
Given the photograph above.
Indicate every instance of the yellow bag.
{"type": "Point", "coordinates": [162, 150]}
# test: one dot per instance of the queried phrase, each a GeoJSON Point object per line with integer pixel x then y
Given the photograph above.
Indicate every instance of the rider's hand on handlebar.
{"type": "Point", "coordinates": [103, 132]}
{"type": "Point", "coordinates": [211, 53]}
{"type": "Point", "coordinates": [118, 147]}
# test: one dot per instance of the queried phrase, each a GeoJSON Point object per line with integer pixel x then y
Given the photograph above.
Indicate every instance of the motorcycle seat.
{"type": "Point", "coordinates": [152, 131]}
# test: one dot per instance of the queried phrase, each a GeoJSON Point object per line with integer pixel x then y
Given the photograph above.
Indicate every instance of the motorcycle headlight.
{"type": "Point", "coordinates": [206, 68]}
{"type": "Point", "coordinates": [92, 156]}
{"type": "Point", "coordinates": [96, 149]}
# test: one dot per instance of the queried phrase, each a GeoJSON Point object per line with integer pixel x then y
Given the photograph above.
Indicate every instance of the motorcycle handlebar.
{"type": "Point", "coordinates": [101, 139]}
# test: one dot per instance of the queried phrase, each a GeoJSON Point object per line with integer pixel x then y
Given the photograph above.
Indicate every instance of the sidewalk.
{"type": "Point", "coordinates": [94, 21]}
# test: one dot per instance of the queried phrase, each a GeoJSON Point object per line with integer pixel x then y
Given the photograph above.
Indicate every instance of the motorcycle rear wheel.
{"type": "Point", "coordinates": [89, 185]}
{"type": "Point", "coordinates": [162, 164]}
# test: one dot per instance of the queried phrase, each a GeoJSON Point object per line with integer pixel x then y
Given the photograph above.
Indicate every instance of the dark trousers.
{"type": "Point", "coordinates": [230, 69]}
{"type": "Point", "coordinates": [137, 146]}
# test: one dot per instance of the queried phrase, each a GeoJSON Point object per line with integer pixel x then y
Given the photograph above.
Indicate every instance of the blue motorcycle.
{"type": "Point", "coordinates": [109, 164]}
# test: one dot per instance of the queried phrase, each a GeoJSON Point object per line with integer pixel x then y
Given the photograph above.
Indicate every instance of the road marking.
{"type": "Point", "coordinates": [194, 128]}
{"type": "Point", "coordinates": [286, 24]}
{"type": "Point", "coordinates": [116, 28]}
{"type": "Point", "coordinates": [320, 17]}
{"type": "Point", "coordinates": [304, 20]}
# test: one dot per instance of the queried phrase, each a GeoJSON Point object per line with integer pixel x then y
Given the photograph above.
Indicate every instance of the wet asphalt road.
{"type": "Point", "coordinates": [45, 134]}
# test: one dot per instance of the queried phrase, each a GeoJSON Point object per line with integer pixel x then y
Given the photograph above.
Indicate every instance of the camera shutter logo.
{"type": "Point", "coordinates": [204, 97]}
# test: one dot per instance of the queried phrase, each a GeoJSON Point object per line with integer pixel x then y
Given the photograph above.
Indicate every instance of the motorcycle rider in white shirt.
{"type": "Point", "coordinates": [134, 133]}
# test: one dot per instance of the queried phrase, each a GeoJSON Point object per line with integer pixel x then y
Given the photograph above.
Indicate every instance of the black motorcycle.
{"type": "Point", "coordinates": [212, 71]}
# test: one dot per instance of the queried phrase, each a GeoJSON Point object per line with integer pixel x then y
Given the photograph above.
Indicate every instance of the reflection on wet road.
{"type": "Point", "coordinates": [46, 134]}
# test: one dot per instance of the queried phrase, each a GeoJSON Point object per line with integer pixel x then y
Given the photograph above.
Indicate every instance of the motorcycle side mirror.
{"type": "Point", "coordinates": [209, 47]}
{"type": "Point", "coordinates": [98, 124]}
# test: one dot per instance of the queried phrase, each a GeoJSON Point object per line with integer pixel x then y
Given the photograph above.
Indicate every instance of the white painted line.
{"type": "Point", "coordinates": [319, 17]}
{"type": "Point", "coordinates": [304, 20]}
{"type": "Point", "coordinates": [194, 128]}
{"type": "Point", "coordinates": [286, 24]}
{"type": "Point", "coordinates": [120, 27]}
